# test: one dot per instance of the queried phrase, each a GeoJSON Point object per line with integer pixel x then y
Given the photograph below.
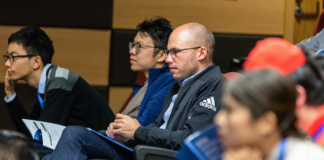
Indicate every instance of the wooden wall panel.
{"type": "Point", "coordinates": [118, 96]}
{"type": "Point", "coordinates": [83, 51]}
{"type": "Point", "coordinates": [289, 20]}
{"type": "Point", "coordinates": [305, 26]}
{"type": "Point", "coordinates": [221, 16]}
{"type": "Point", "coordinates": [5, 32]}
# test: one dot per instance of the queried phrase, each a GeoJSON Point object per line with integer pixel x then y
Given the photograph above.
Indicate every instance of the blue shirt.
{"type": "Point", "coordinates": [41, 84]}
{"type": "Point", "coordinates": [167, 113]}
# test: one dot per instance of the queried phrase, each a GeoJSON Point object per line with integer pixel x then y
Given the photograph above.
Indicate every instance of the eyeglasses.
{"type": "Point", "coordinates": [173, 52]}
{"type": "Point", "coordinates": [12, 58]}
{"type": "Point", "coordinates": [137, 47]}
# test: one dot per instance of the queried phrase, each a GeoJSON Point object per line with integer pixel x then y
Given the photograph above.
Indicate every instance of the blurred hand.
{"type": "Point", "coordinates": [125, 126]}
{"type": "Point", "coordinates": [109, 131]}
{"type": "Point", "coordinates": [116, 137]}
{"type": "Point", "coordinates": [120, 138]}
{"type": "Point", "coordinates": [9, 86]}
{"type": "Point", "coordinates": [244, 153]}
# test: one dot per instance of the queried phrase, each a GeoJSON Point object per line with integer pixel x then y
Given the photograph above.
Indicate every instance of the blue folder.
{"type": "Point", "coordinates": [202, 145]}
{"type": "Point", "coordinates": [110, 139]}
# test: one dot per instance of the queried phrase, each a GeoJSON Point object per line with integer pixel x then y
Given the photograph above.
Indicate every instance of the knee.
{"type": "Point", "coordinates": [73, 132]}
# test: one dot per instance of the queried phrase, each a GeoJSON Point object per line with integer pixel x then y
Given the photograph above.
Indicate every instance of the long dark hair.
{"type": "Point", "coordinates": [266, 90]}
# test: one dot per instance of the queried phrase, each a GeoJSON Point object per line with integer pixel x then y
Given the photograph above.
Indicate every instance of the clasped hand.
{"type": "Point", "coordinates": [123, 128]}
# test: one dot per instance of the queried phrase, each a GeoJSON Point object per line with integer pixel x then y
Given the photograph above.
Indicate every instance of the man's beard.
{"type": "Point", "coordinates": [186, 73]}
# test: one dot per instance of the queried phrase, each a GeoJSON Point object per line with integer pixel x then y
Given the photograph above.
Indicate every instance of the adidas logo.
{"type": "Point", "coordinates": [209, 103]}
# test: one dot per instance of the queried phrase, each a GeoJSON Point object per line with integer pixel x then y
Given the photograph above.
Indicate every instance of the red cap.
{"type": "Point", "coordinates": [277, 54]}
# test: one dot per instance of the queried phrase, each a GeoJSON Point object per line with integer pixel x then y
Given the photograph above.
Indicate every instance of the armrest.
{"type": "Point", "coordinates": [155, 153]}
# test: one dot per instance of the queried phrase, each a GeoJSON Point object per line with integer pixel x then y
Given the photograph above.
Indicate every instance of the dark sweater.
{"type": "Point", "coordinates": [69, 100]}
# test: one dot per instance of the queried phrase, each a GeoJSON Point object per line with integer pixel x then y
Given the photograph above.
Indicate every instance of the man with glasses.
{"type": "Point", "coordinates": [190, 105]}
{"type": "Point", "coordinates": [147, 56]}
{"type": "Point", "coordinates": [63, 96]}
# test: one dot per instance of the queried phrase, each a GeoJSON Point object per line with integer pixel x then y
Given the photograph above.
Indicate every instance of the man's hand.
{"type": "Point", "coordinates": [109, 131]}
{"type": "Point", "coordinates": [117, 137]}
{"type": "Point", "coordinates": [125, 126]}
{"type": "Point", "coordinates": [120, 138]}
{"type": "Point", "coordinates": [244, 153]}
{"type": "Point", "coordinates": [9, 86]}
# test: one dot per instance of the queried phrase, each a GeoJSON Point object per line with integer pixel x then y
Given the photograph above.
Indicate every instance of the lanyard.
{"type": "Point", "coordinates": [41, 102]}
{"type": "Point", "coordinates": [318, 132]}
{"type": "Point", "coordinates": [282, 148]}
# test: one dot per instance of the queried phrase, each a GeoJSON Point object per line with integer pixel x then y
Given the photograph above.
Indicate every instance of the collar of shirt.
{"type": "Point", "coordinates": [183, 82]}
{"type": "Point", "coordinates": [42, 81]}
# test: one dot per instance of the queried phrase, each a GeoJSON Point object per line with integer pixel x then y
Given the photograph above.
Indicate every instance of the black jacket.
{"type": "Point", "coordinates": [69, 100]}
{"type": "Point", "coordinates": [195, 107]}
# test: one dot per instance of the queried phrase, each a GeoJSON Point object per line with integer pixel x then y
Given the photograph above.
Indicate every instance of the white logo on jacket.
{"type": "Point", "coordinates": [209, 103]}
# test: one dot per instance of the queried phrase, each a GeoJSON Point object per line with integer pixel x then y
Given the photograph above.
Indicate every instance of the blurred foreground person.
{"type": "Point", "coordinates": [306, 72]}
{"type": "Point", "coordinates": [258, 113]}
{"type": "Point", "coordinates": [15, 146]}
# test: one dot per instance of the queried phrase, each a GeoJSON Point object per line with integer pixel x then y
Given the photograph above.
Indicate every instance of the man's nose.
{"type": "Point", "coordinates": [132, 51]}
{"type": "Point", "coordinates": [169, 58]}
{"type": "Point", "coordinates": [8, 64]}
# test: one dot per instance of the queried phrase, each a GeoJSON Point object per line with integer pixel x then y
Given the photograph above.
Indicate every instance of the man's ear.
{"type": "Point", "coordinates": [301, 96]}
{"type": "Point", "coordinates": [160, 57]}
{"type": "Point", "coordinates": [202, 54]}
{"type": "Point", "coordinates": [37, 62]}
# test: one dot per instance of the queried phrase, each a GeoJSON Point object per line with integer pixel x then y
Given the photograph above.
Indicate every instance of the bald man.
{"type": "Point", "coordinates": [190, 105]}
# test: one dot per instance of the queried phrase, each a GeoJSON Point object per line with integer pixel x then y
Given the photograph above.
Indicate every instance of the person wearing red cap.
{"type": "Point", "coordinates": [307, 72]}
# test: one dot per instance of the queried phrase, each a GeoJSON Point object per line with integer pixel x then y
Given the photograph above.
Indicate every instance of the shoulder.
{"type": "Point", "coordinates": [211, 83]}
{"type": "Point", "coordinates": [61, 78]}
{"type": "Point", "coordinates": [164, 79]}
{"type": "Point", "coordinates": [215, 73]}
{"type": "Point", "coordinates": [167, 77]}
{"type": "Point", "coordinates": [212, 74]}
{"type": "Point", "coordinates": [304, 149]}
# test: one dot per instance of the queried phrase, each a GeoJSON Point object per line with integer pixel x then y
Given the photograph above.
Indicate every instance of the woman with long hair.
{"type": "Point", "coordinates": [258, 113]}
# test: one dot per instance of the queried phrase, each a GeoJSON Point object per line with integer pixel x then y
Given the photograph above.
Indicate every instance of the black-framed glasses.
{"type": "Point", "coordinates": [137, 47]}
{"type": "Point", "coordinates": [173, 52]}
{"type": "Point", "coordinates": [12, 58]}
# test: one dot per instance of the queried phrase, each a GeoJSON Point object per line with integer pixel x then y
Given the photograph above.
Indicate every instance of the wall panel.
{"type": "Point", "coordinates": [57, 13]}
{"type": "Point", "coordinates": [225, 52]}
{"type": "Point", "coordinates": [305, 26]}
{"type": "Point", "coordinates": [117, 97]}
{"type": "Point", "coordinates": [222, 16]}
{"type": "Point", "coordinates": [120, 72]}
{"type": "Point", "coordinates": [84, 51]}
